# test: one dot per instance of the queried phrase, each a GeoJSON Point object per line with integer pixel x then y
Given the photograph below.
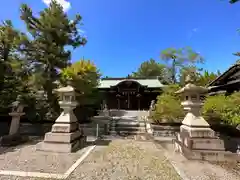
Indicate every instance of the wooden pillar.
{"type": "Point", "coordinates": [118, 103]}
{"type": "Point", "coordinates": [139, 103]}
{"type": "Point", "coordinates": [128, 100]}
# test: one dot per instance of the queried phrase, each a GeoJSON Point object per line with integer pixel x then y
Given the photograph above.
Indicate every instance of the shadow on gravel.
{"type": "Point", "coordinates": [25, 141]}
{"type": "Point", "coordinates": [166, 144]}
{"type": "Point", "coordinates": [102, 142]}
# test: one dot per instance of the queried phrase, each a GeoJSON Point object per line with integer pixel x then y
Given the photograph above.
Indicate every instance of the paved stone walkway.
{"type": "Point", "coordinates": [198, 170]}
{"type": "Point", "coordinates": [126, 160]}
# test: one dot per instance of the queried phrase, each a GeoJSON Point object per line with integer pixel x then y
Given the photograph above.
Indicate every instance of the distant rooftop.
{"type": "Point", "coordinates": [229, 72]}
{"type": "Point", "coordinates": [149, 82]}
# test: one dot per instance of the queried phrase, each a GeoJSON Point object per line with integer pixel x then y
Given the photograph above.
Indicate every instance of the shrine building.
{"type": "Point", "coordinates": [228, 82]}
{"type": "Point", "coordinates": [130, 93]}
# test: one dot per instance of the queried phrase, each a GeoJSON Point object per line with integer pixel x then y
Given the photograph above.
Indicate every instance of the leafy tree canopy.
{"type": "Point", "coordinates": [12, 66]}
{"type": "Point", "coordinates": [84, 76]}
{"type": "Point", "coordinates": [151, 68]}
{"type": "Point", "coordinates": [233, 1]}
{"type": "Point", "coordinates": [179, 58]}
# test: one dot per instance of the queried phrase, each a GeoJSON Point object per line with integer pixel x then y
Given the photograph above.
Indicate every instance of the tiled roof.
{"type": "Point", "coordinates": [150, 83]}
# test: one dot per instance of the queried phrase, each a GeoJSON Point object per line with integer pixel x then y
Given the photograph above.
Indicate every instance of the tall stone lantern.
{"type": "Point", "coordinates": [65, 135]}
{"type": "Point", "coordinates": [196, 140]}
{"type": "Point", "coordinates": [192, 104]}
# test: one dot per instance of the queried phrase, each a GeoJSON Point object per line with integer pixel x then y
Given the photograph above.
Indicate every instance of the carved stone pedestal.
{"type": "Point", "coordinates": [196, 139]}
{"type": "Point", "coordinates": [65, 135]}
{"type": "Point", "coordinates": [201, 144]}
{"type": "Point", "coordinates": [64, 138]}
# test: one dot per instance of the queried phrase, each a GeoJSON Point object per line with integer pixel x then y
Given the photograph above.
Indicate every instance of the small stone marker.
{"type": "Point", "coordinates": [17, 112]}
{"type": "Point", "coordinates": [14, 138]}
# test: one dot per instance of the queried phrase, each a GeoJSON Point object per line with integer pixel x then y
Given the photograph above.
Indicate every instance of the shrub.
{"type": "Point", "coordinates": [84, 76]}
{"type": "Point", "coordinates": [223, 109]}
{"type": "Point", "coordinates": [168, 106]}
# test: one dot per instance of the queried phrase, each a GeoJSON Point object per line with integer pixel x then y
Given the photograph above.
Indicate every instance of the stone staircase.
{"type": "Point", "coordinates": [128, 124]}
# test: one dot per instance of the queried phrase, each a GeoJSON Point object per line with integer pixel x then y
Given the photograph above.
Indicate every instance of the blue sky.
{"type": "Point", "coordinates": [123, 33]}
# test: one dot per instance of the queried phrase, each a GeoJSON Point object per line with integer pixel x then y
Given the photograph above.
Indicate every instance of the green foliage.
{"type": "Point", "coordinates": [151, 68]}
{"type": "Point", "coordinates": [200, 78]}
{"type": "Point", "coordinates": [168, 106]}
{"type": "Point", "coordinates": [53, 35]}
{"type": "Point", "coordinates": [206, 77]}
{"type": "Point", "coordinates": [233, 1]}
{"type": "Point", "coordinates": [221, 108]}
{"type": "Point", "coordinates": [179, 58]}
{"type": "Point", "coordinates": [191, 70]}
{"type": "Point", "coordinates": [84, 76]}
{"type": "Point", "coordinates": [13, 69]}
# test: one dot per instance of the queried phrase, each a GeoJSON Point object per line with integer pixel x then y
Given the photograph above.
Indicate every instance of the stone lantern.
{"type": "Point", "coordinates": [196, 140]}
{"type": "Point", "coordinates": [65, 135]}
{"type": "Point", "coordinates": [192, 104]}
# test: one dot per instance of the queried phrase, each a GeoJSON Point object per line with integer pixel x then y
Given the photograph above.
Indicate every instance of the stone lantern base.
{"type": "Point", "coordinates": [200, 143]}
{"type": "Point", "coordinates": [64, 137]}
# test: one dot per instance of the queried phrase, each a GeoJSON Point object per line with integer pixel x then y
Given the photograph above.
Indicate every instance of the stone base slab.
{"type": "Point", "coordinates": [64, 128]}
{"type": "Point", "coordinates": [62, 137]}
{"type": "Point", "coordinates": [61, 147]}
{"type": "Point", "coordinates": [199, 132]}
{"type": "Point", "coordinates": [207, 155]}
{"type": "Point", "coordinates": [201, 143]}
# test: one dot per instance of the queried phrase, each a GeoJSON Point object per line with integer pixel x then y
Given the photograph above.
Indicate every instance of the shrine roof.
{"type": "Point", "coordinates": [150, 83]}
{"type": "Point", "coordinates": [221, 80]}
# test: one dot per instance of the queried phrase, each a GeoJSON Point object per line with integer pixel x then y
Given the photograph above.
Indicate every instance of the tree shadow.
{"type": "Point", "coordinates": [167, 144]}
{"type": "Point", "coordinates": [26, 141]}
{"type": "Point", "coordinates": [230, 144]}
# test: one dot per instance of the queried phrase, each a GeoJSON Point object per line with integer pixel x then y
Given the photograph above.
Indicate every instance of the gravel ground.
{"type": "Point", "coordinates": [199, 170]}
{"type": "Point", "coordinates": [125, 160]}
{"type": "Point", "coordinates": [26, 158]}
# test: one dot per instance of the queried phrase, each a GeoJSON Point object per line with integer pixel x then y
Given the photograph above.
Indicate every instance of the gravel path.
{"type": "Point", "coordinates": [26, 158]}
{"type": "Point", "coordinates": [198, 170]}
{"type": "Point", "coordinates": [125, 160]}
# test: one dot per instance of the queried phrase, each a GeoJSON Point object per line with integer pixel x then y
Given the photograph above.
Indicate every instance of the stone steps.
{"type": "Point", "coordinates": [127, 125]}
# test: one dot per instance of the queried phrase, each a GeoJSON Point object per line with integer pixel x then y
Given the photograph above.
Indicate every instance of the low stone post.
{"type": "Point", "coordinates": [16, 116]}
{"type": "Point", "coordinates": [14, 137]}
{"type": "Point", "coordinates": [196, 139]}
{"type": "Point", "coordinates": [65, 135]}
{"type": "Point", "coordinates": [113, 126]}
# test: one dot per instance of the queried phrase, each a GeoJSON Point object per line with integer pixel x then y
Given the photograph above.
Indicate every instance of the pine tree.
{"type": "Point", "coordinates": [12, 65]}
{"type": "Point", "coordinates": [52, 35]}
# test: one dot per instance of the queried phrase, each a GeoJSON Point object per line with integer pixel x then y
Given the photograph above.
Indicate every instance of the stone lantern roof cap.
{"type": "Point", "coordinates": [66, 89]}
{"type": "Point", "coordinates": [190, 87]}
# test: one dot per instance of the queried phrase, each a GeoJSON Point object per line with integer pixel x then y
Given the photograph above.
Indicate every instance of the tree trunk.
{"type": "Point", "coordinates": [54, 108]}
{"type": "Point", "coordinates": [174, 71]}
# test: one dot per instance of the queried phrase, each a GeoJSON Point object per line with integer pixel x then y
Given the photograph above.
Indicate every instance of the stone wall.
{"type": "Point", "coordinates": [4, 128]}
{"type": "Point", "coordinates": [36, 129]}
{"type": "Point", "coordinates": [165, 130]}
{"type": "Point", "coordinates": [90, 129]}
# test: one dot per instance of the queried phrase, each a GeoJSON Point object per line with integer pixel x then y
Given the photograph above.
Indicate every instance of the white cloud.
{"type": "Point", "coordinates": [192, 32]}
{"type": "Point", "coordinates": [65, 4]}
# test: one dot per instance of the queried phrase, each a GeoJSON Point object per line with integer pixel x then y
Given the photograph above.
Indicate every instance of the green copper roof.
{"type": "Point", "coordinates": [150, 83]}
